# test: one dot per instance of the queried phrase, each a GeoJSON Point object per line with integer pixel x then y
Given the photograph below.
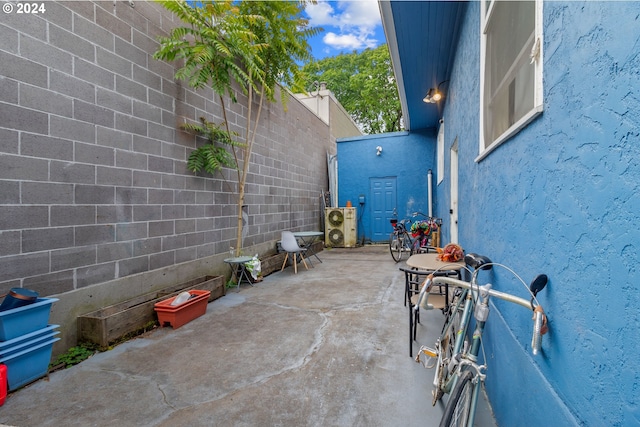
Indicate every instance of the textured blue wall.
{"type": "Point", "coordinates": [407, 156]}
{"type": "Point", "coordinates": [561, 197]}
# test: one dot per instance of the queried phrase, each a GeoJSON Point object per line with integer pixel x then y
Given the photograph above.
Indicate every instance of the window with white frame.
{"type": "Point", "coordinates": [511, 69]}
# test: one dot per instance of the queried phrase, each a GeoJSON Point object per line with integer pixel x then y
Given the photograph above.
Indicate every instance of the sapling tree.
{"type": "Point", "coordinates": [251, 45]}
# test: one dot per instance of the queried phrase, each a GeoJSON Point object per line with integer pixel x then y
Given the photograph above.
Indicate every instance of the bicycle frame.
{"type": "Point", "coordinates": [465, 304]}
{"type": "Point", "coordinates": [465, 358]}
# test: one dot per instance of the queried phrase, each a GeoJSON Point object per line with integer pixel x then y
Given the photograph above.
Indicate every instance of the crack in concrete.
{"type": "Point", "coordinates": [261, 380]}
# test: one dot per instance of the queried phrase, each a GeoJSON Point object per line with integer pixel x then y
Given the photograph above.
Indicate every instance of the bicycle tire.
{"type": "Point", "coordinates": [406, 243]}
{"type": "Point", "coordinates": [395, 247]}
{"type": "Point", "coordinates": [458, 409]}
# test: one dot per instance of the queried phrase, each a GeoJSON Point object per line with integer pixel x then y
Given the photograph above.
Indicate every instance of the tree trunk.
{"type": "Point", "coordinates": [248, 149]}
{"type": "Point", "coordinates": [240, 205]}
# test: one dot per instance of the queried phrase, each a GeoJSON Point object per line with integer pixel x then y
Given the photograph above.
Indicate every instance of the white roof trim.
{"type": "Point", "coordinates": [392, 42]}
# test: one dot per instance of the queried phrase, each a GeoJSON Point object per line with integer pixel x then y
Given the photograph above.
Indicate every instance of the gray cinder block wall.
{"type": "Point", "coordinates": [96, 202]}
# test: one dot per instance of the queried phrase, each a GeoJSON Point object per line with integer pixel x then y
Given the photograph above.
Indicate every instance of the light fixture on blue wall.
{"type": "Point", "coordinates": [378, 150]}
{"type": "Point", "coordinates": [434, 95]}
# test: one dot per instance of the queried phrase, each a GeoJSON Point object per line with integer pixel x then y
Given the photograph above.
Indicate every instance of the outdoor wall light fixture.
{"type": "Point", "coordinates": [378, 150]}
{"type": "Point", "coordinates": [434, 95]}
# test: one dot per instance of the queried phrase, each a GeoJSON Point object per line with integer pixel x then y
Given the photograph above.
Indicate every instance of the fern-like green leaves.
{"type": "Point", "coordinates": [214, 155]}
{"type": "Point", "coordinates": [251, 43]}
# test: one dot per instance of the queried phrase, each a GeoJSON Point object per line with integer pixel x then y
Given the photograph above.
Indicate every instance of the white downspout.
{"type": "Point", "coordinates": [430, 192]}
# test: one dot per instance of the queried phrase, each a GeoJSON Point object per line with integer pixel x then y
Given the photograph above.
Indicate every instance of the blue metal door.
{"type": "Point", "coordinates": [383, 202]}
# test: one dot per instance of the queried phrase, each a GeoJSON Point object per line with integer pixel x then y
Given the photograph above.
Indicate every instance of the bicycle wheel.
{"type": "Point", "coordinates": [395, 246]}
{"type": "Point", "coordinates": [405, 243]}
{"type": "Point", "coordinates": [458, 409]}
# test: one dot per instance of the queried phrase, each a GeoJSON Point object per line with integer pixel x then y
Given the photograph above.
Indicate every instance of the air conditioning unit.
{"type": "Point", "coordinates": [340, 227]}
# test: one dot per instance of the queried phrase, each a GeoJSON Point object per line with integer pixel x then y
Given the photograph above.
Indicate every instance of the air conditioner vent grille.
{"type": "Point", "coordinates": [336, 237]}
{"type": "Point", "coordinates": [335, 217]}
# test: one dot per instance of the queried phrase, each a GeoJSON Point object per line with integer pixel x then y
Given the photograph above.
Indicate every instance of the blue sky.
{"type": "Point", "coordinates": [348, 25]}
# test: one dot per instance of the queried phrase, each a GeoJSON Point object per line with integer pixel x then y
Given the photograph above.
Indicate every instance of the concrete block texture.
{"type": "Point", "coordinates": [93, 165]}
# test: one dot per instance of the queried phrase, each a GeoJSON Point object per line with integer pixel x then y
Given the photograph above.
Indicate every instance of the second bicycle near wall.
{"type": "Point", "coordinates": [410, 236]}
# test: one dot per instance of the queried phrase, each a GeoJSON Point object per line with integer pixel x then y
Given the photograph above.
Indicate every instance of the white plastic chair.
{"type": "Point", "coordinates": [290, 245]}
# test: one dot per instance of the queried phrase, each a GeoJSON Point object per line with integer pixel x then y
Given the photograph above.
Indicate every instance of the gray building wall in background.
{"type": "Point", "coordinates": [94, 188]}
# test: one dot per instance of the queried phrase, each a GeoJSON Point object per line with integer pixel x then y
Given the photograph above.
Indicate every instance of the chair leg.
{"type": "Point", "coordinates": [406, 291]}
{"type": "Point", "coordinates": [303, 261]}
{"type": "Point", "coordinates": [295, 263]}
{"type": "Point", "coordinates": [410, 331]}
{"type": "Point", "coordinates": [285, 261]}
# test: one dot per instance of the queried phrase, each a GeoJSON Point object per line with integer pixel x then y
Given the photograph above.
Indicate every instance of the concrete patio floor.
{"type": "Point", "coordinates": [325, 347]}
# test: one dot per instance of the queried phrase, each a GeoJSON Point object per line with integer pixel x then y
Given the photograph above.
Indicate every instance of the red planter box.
{"type": "Point", "coordinates": [178, 315]}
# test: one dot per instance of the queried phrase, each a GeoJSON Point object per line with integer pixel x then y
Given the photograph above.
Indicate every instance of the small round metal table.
{"type": "Point", "coordinates": [308, 237]}
{"type": "Point", "coordinates": [430, 262]}
{"type": "Point", "coordinates": [238, 268]}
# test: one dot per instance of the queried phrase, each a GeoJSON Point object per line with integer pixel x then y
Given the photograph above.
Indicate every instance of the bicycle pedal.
{"type": "Point", "coordinates": [431, 359]}
{"type": "Point", "coordinates": [427, 351]}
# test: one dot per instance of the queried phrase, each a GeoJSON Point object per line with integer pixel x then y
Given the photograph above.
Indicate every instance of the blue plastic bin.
{"type": "Point", "coordinates": [29, 364]}
{"type": "Point", "coordinates": [30, 339]}
{"type": "Point", "coordinates": [23, 320]}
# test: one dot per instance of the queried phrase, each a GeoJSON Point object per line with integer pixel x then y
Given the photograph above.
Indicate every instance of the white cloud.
{"type": "Point", "coordinates": [351, 24]}
{"type": "Point", "coordinates": [321, 14]}
{"type": "Point", "coordinates": [349, 41]}
{"type": "Point", "coordinates": [342, 41]}
{"type": "Point", "coordinates": [362, 14]}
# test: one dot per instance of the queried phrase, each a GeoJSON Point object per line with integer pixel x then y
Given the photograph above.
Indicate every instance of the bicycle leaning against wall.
{"type": "Point", "coordinates": [455, 355]}
{"type": "Point", "coordinates": [410, 238]}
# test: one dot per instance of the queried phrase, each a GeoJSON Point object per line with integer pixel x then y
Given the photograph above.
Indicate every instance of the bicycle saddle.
{"type": "Point", "coordinates": [477, 262]}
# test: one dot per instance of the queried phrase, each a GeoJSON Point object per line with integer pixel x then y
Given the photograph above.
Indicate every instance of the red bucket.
{"type": "Point", "coordinates": [3, 383]}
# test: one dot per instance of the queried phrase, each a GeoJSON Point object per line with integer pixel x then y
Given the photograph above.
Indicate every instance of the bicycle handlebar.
{"type": "Point", "coordinates": [539, 329]}
{"type": "Point", "coordinates": [492, 292]}
{"type": "Point", "coordinates": [540, 319]}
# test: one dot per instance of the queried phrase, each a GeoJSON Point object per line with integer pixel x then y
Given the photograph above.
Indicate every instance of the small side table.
{"type": "Point", "coordinates": [308, 238]}
{"type": "Point", "coordinates": [238, 268]}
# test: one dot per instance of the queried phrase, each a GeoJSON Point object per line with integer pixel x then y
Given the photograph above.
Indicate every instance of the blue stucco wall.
{"type": "Point", "coordinates": [561, 198]}
{"type": "Point", "coordinates": [407, 156]}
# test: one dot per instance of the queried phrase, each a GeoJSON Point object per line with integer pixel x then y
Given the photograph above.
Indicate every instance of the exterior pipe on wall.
{"type": "Point", "coordinates": [429, 192]}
